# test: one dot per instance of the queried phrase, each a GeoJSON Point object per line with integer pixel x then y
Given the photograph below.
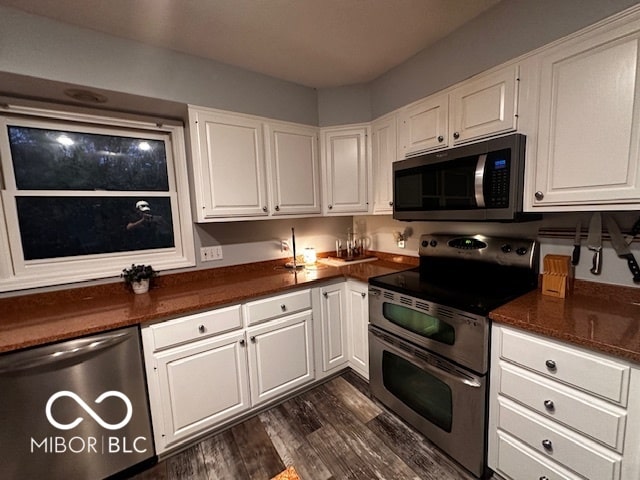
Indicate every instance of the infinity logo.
{"type": "Point", "coordinates": [89, 410]}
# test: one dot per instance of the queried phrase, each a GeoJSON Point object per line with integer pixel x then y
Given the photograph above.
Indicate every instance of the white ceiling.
{"type": "Point", "coordinates": [317, 43]}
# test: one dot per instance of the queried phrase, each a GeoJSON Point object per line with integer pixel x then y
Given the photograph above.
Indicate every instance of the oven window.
{"type": "Point", "coordinates": [425, 394]}
{"type": "Point", "coordinates": [420, 323]}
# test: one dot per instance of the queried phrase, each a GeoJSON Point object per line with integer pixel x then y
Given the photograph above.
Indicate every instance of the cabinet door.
{"type": "Point", "coordinates": [423, 126]}
{"type": "Point", "coordinates": [293, 162]}
{"type": "Point", "coordinates": [345, 166]}
{"type": "Point", "coordinates": [358, 323]}
{"type": "Point", "coordinates": [587, 150]}
{"type": "Point", "coordinates": [383, 153]}
{"type": "Point", "coordinates": [484, 106]}
{"type": "Point", "coordinates": [280, 356]}
{"type": "Point", "coordinates": [200, 385]}
{"type": "Point", "coordinates": [334, 335]}
{"type": "Point", "coordinates": [229, 165]}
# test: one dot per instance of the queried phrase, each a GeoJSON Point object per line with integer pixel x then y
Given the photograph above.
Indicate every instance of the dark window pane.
{"type": "Point", "coordinates": [52, 227]}
{"type": "Point", "coordinates": [425, 394]}
{"type": "Point", "coordinates": [59, 160]}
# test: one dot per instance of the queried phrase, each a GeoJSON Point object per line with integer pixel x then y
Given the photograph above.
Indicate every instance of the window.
{"type": "Point", "coordinates": [78, 190]}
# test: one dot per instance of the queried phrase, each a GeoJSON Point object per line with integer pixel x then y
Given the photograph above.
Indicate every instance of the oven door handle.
{"type": "Point", "coordinates": [452, 373]}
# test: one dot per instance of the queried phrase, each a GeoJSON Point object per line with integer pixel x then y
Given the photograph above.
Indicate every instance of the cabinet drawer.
{"type": "Point", "coordinates": [268, 308]}
{"type": "Point", "coordinates": [514, 458]}
{"type": "Point", "coordinates": [195, 327]}
{"type": "Point", "coordinates": [603, 422]}
{"type": "Point", "coordinates": [592, 373]}
{"type": "Point", "coordinates": [562, 445]}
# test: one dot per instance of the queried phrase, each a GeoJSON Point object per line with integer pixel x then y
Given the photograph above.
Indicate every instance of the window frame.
{"type": "Point", "coordinates": [17, 273]}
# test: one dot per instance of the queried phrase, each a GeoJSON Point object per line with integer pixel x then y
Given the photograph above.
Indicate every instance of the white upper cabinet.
{"type": "Point", "coordinates": [480, 107]}
{"type": "Point", "coordinates": [292, 153]}
{"type": "Point", "coordinates": [585, 155]}
{"type": "Point", "coordinates": [345, 165]}
{"type": "Point", "coordinates": [228, 165]}
{"type": "Point", "coordinates": [423, 125]}
{"type": "Point", "coordinates": [484, 106]}
{"type": "Point", "coordinates": [383, 153]}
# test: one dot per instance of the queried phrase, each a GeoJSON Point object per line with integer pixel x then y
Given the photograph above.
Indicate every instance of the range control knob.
{"type": "Point", "coordinates": [433, 243]}
{"type": "Point", "coordinates": [521, 251]}
{"type": "Point", "coordinates": [506, 248]}
{"type": "Point", "coordinates": [424, 244]}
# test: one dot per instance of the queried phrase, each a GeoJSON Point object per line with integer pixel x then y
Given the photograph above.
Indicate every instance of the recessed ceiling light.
{"type": "Point", "coordinates": [85, 96]}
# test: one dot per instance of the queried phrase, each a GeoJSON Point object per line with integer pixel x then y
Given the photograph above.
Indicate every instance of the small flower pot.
{"type": "Point", "coordinates": [140, 287]}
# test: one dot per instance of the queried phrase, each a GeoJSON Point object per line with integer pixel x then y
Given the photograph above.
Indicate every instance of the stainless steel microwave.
{"type": "Point", "coordinates": [475, 182]}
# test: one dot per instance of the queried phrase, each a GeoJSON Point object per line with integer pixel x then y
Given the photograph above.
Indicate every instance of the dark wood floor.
{"type": "Point", "coordinates": [333, 431]}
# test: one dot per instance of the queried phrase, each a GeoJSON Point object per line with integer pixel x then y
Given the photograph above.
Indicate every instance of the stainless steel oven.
{"type": "Point", "coordinates": [429, 336]}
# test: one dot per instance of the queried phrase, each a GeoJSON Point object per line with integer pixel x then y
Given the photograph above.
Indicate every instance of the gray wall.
{"type": "Point", "coordinates": [344, 105]}
{"type": "Point", "coordinates": [38, 47]}
{"type": "Point", "coordinates": [506, 31]}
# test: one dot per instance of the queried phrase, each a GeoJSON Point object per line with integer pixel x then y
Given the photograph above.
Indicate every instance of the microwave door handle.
{"type": "Point", "coordinates": [479, 180]}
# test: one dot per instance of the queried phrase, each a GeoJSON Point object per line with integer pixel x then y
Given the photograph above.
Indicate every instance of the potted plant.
{"type": "Point", "coordinates": [138, 276]}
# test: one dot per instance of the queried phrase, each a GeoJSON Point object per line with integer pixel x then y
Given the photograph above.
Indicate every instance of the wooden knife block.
{"type": "Point", "coordinates": [557, 279]}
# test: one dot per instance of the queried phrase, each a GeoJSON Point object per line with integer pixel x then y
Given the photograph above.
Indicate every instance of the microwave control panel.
{"type": "Point", "coordinates": [497, 179]}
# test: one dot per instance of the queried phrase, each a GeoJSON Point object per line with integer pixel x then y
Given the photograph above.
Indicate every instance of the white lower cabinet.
{"type": "Point", "coordinates": [197, 386]}
{"type": "Point", "coordinates": [333, 328]}
{"type": "Point", "coordinates": [561, 412]}
{"type": "Point", "coordinates": [280, 356]}
{"type": "Point", "coordinates": [358, 326]}
{"type": "Point", "coordinates": [207, 377]}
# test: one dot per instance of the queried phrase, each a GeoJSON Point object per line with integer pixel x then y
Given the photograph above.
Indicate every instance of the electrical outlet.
{"type": "Point", "coordinates": [208, 254]}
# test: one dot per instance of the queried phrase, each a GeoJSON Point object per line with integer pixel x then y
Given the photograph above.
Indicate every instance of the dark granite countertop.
{"type": "Point", "coordinates": [600, 317]}
{"type": "Point", "coordinates": [40, 318]}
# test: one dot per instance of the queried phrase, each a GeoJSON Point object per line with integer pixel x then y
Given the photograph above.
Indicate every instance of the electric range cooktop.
{"type": "Point", "coordinates": [474, 274]}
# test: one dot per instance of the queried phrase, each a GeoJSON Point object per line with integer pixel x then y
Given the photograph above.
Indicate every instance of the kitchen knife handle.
{"type": "Point", "coordinates": [633, 266]}
{"type": "Point", "coordinates": [575, 256]}
{"type": "Point", "coordinates": [597, 262]}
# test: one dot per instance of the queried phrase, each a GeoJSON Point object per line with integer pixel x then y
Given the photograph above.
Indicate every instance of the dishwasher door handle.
{"type": "Point", "coordinates": [62, 352]}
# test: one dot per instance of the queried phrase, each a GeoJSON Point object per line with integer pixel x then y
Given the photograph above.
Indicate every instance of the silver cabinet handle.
{"type": "Point", "coordinates": [363, 294]}
{"type": "Point", "coordinates": [241, 342]}
{"type": "Point", "coordinates": [253, 339]}
{"type": "Point", "coordinates": [330, 207]}
{"type": "Point", "coordinates": [440, 138]}
{"type": "Point", "coordinates": [201, 328]}
{"type": "Point", "coordinates": [456, 135]}
{"type": "Point", "coordinates": [543, 477]}
{"type": "Point", "coordinates": [547, 445]}
{"type": "Point", "coordinates": [391, 204]}
{"type": "Point", "coordinates": [551, 364]}
{"type": "Point", "coordinates": [325, 295]}
{"type": "Point", "coordinates": [277, 208]}
{"type": "Point", "coordinates": [549, 405]}
{"type": "Point", "coordinates": [283, 307]}
{"type": "Point", "coordinates": [539, 195]}
{"type": "Point", "coordinates": [264, 209]}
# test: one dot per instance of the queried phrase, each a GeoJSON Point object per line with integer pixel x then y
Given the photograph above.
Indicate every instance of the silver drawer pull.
{"type": "Point", "coordinates": [543, 477]}
{"type": "Point", "coordinates": [283, 307]}
{"type": "Point", "coordinates": [547, 445]}
{"type": "Point", "coordinates": [548, 404]}
{"type": "Point", "coordinates": [201, 328]}
{"type": "Point", "coordinates": [551, 364]}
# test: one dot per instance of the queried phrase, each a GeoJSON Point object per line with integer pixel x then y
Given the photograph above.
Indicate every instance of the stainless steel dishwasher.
{"type": "Point", "coordinates": [75, 409]}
